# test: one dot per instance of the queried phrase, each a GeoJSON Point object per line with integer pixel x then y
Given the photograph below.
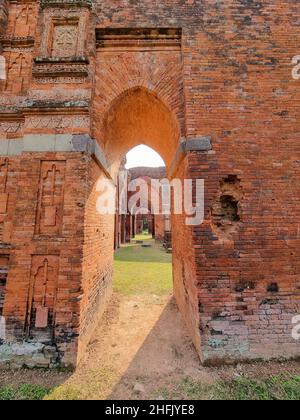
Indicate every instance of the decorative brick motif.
{"type": "Point", "coordinates": [11, 127]}
{"type": "Point", "coordinates": [6, 202]}
{"type": "Point", "coordinates": [59, 122]}
{"type": "Point", "coordinates": [51, 195]}
{"type": "Point", "coordinates": [65, 40]}
{"type": "Point", "coordinates": [3, 187]}
{"type": "Point", "coordinates": [64, 33]}
{"type": "Point", "coordinates": [65, 71]}
{"type": "Point", "coordinates": [66, 3]}
{"type": "Point", "coordinates": [19, 67]}
{"type": "Point", "coordinates": [4, 266]}
{"type": "Point", "coordinates": [42, 297]}
{"type": "Point", "coordinates": [22, 19]}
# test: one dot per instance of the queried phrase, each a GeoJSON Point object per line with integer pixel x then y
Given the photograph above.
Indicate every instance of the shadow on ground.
{"type": "Point", "coordinates": [167, 355]}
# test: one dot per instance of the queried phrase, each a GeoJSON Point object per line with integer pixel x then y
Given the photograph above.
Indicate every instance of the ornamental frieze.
{"type": "Point", "coordinates": [52, 69]}
{"type": "Point", "coordinates": [17, 43]}
{"type": "Point", "coordinates": [66, 3]}
{"type": "Point", "coordinates": [56, 94]}
{"type": "Point", "coordinates": [57, 122]}
{"type": "Point", "coordinates": [11, 127]}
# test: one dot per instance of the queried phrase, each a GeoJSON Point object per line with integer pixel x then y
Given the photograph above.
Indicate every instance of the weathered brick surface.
{"type": "Point", "coordinates": [62, 250]}
{"type": "Point", "coordinates": [224, 70]}
{"type": "Point", "coordinates": [97, 258]}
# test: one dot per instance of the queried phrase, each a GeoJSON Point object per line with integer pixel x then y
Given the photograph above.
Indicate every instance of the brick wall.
{"type": "Point", "coordinates": [159, 228]}
{"type": "Point", "coordinates": [184, 270]}
{"type": "Point", "coordinates": [53, 255]}
{"type": "Point", "coordinates": [223, 70]}
{"type": "Point", "coordinates": [97, 258]}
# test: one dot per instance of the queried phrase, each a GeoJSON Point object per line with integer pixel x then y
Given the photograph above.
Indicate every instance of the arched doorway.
{"type": "Point", "coordinates": [137, 116]}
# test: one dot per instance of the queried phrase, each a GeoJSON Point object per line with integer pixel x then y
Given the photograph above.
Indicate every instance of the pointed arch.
{"type": "Point", "coordinates": [139, 116]}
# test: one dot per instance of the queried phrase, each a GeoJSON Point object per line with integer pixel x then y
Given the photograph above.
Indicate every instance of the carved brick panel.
{"type": "Point", "coordinates": [61, 49]}
{"type": "Point", "coordinates": [3, 16]}
{"type": "Point", "coordinates": [6, 203]}
{"type": "Point", "coordinates": [18, 75]}
{"type": "Point", "coordinates": [42, 297]}
{"type": "Point", "coordinates": [64, 33]}
{"type": "Point", "coordinates": [51, 195]}
{"type": "Point", "coordinates": [65, 40]}
{"type": "Point", "coordinates": [22, 19]}
{"type": "Point", "coordinates": [4, 262]}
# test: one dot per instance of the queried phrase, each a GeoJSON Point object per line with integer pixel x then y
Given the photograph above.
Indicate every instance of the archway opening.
{"type": "Point", "coordinates": [138, 117]}
{"type": "Point", "coordinates": [143, 156]}
{"type": "Point", "coordinates": [141, 124]}
{"type": "Point", "coordinates": [143, 261]}
{"type": "Point", "coordinates": [142, 167]}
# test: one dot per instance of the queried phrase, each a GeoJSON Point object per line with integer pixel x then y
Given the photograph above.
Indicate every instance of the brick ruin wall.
{"type": "Point", "coordinates": [223, 72]}
{"type": "Point", "coordinates": [97, 259]}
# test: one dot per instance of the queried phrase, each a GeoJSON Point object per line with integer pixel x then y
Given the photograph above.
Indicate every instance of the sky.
{"type": "Point", "coordinates": [143, 156]}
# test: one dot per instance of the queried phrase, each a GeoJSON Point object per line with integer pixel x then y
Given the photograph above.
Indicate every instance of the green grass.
{"type": "Point", "coordinates": [272, 388]}
{"type": "Point", "coordinates": [139, 270]}
{"type": "Point", "coordinates": [92, 385]}
{"type": "Point", "coordinates": [269, 389]}
{"type": "Point", "coordinates": [23, 392]}
{"type": "Point", "coordinates": [142, 236]}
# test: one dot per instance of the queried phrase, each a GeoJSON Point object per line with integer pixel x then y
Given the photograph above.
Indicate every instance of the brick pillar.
{"type": "Point", "coordinates": [123, 229]}
{"type": "Point", "coordinates": [3, 25]}
{"type": "Point", "coordinates": [117, 222]}
{"type": "Point", "coordinates": [191, 163]}
{"type": "Point", "coordinates": [3, 16]}
{"type": "Point", "coordinates": [116, 238]}
{"type": "Point", "coordinates": [133, 226]}
{"type": "Point", "coordinates": [128, 229]}
{"type": "Point", "coordinates": [153, 226]}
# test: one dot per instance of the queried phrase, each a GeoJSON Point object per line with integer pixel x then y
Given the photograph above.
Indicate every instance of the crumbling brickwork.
{"type": "Point", "coordinates": [88, 80]}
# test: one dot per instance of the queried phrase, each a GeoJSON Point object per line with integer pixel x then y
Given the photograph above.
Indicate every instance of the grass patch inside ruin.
{"type": "Point", "coordinates": [139, 270]}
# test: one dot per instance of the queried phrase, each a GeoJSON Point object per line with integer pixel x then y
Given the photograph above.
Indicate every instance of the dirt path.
{"type": "Point", "coordinates": [145, 342]}
{"type": "Point", "coordinates": [140, 349]}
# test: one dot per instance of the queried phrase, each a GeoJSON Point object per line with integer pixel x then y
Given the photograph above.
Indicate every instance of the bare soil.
{"type": "Point", "coordinates": [140, 350]}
